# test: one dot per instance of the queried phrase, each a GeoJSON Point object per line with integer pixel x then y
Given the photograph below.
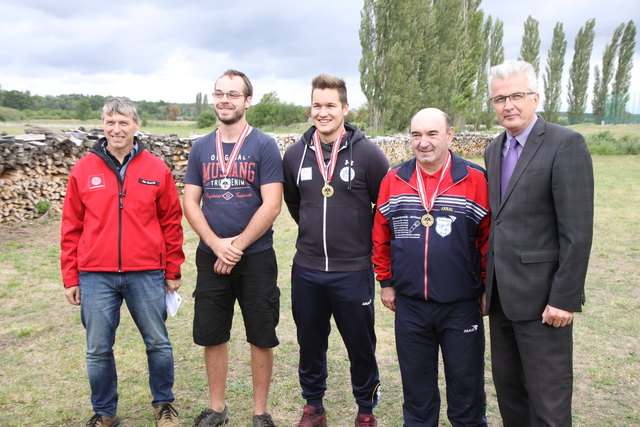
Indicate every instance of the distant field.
{"type": "Point", "coordinates": [181, 128]}
{"type": "Point", "coordinates": [187, 128]}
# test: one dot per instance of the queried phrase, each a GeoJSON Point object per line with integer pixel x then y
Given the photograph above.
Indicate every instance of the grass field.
{"type": "Point", "coordinates": [42, 370]}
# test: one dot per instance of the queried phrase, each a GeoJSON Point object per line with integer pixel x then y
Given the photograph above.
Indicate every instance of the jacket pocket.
{"type": "Point", "coordinates": [529, 257]}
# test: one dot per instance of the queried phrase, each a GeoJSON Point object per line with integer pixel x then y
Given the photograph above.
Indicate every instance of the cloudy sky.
{"type": "Point", "coordinates": [171, 50]}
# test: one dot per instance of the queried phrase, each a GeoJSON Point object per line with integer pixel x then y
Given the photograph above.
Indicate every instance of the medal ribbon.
{"type": "Point", "coordinates": [327, 171]}
{"type": "Point", "coordinates": [226, 166]}
{"type": "Point", "coordinates": [428, 203]}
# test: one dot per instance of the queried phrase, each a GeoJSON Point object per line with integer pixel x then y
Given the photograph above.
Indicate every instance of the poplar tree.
{"type": "Point", "coordinates": [579, 71]}
{"type": "Point", "coordinates": [622, 82]}
{"type": "Point", "coordinates": [603, 79]}
{"type": "Point", "coordinates": [387, 68]}
{"type": "Point", "coordinates": [553, 77]}
{"type": "Point", "coordinates": [468, 53]}
{"type": "Point", "coordinates": [496, 51]}
{"type": "Point", "coordinates": [482, 107]}
{"type": "Point", "coordinates": [417, 54]}
{"type": "Point", "coordinates": [530, 47]}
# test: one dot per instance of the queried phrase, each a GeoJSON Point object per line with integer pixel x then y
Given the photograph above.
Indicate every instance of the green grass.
{"type": "Point", "coordinates": [42, 370]}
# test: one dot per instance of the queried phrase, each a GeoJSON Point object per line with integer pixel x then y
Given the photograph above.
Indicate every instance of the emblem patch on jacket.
{"type": "Point", "coordinates": [443, 225]}
{"type": "Point", "coordinates": [96, 182]}
{"type": "Point", "coordinates": [347, 174]}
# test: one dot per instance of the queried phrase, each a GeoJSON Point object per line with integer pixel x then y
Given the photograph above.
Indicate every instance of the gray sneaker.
{"type": "Point", "coordinates": [263, 420]}
{"type": "Point", "coordinates": [209, 417]}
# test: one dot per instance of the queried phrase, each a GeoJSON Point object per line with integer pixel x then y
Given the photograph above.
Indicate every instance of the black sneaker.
{"type": "Point", "coordinates": [263, 420]}
{"type": "Point", "coordinates": [211, 418]}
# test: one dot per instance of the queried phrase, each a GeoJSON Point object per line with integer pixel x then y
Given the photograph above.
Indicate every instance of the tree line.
{"type": "Point", "coordinates": [437, 53]}
{"type": "Point", "coordinates": [84, 107]}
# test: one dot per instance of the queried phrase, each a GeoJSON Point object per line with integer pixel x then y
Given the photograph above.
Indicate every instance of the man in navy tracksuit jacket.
{"type": "Point", "coordinates": [430, 235]}
{"type": "Point", "coordinates": [332, 176]}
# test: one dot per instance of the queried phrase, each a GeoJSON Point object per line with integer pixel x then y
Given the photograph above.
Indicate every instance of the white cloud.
{"type": "Point", "coordinates": [170, 50]}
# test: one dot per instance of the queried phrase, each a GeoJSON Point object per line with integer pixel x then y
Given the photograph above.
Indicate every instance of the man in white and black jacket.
{"type": "Point", "coordinates": [332, 178]}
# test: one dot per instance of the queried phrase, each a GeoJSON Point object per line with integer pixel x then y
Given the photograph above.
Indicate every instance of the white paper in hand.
{"type": "Point", "coordinates": [173, 301]}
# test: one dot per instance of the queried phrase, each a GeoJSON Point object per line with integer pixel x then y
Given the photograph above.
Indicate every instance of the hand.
{"type": "Point", "coordinates": [225, 251]}
{"type": "Point", "coordinates": [73, 295]}
{"type": "Point", "coordinates": [221, 267]}
{"type": "Point", "coordinates": [388, 297]}
{"type": "Point", "coordinates": [483, 304]}
{"type": "Point", "coordinates": [172, 285]}
{"type": "Point", "coordinates": [556, 317]}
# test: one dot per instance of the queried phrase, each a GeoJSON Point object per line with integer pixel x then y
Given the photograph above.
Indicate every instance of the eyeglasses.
{"type": "Point", "coordinates": [230, 95]}
{"type": "Point", "coordinates": [516, 98]}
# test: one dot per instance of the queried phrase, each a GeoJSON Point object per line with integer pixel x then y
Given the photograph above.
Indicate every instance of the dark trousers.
{"type": "Point", "coordinates": [422, 327]}
{"type": "Point", "coordinates": [532, 370]}
{"type": "Point", "coordinates": [349, 297]}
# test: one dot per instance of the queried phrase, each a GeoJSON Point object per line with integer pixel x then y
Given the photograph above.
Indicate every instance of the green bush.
{"type": "Point", "coordinates": [606, 143]}
{"type": "Point", "coordinates": [42, 207]}
{"type": "Point", "coordinates": [206, 119]}
{"type": "Point", "coordinates": [10, 115]}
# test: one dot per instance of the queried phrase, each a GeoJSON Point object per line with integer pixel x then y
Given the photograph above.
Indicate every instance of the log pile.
{"type": "Point", "coordinates": [34, 167]}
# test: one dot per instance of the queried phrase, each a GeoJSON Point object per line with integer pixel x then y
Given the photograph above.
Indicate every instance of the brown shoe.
{"type": "Point", "coordinates": [166, 415]}
{"type": "Point", "coordinates": [311, 419]}
{"type": "Point", "coordinates": [101, 421]}
{"type": "Point", "coordinates": [368, 420]}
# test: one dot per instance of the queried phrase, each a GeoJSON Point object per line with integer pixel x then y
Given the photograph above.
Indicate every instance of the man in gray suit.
{"type": "Point", "coordinates": [541, 199]}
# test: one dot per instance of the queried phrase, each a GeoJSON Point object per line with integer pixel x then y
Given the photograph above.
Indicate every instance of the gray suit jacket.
{"type": "Point", "coordinates": [541, 230]}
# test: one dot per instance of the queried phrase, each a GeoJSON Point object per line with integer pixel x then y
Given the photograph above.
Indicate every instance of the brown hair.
{"type": "Point", "coordinates": [325, 81]}
{"type": "Point", "coordinates": [248, 88]}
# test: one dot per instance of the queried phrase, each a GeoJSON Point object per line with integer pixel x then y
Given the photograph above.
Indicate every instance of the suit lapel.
{"type": "Point", "coordinates": [495, 164]}
{"type": "Point", "coordinates": [530, 148]}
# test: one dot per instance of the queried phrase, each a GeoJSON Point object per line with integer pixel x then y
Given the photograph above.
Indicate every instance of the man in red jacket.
{"type": "Point", "coordinates": [121, 239]}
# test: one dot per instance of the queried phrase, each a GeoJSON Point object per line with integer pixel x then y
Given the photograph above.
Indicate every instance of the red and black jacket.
{"type": "Point", "coordinates": [444, 262]}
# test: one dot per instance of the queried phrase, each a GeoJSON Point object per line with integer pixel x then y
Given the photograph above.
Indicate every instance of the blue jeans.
{"type": "Point", "coordinates": [101, 296]}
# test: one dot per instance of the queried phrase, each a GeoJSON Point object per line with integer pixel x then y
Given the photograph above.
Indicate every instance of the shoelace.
{"type": "Point", "coordinates": [167, 412]}
{"type": "Point", "coordinates": [95, 420]}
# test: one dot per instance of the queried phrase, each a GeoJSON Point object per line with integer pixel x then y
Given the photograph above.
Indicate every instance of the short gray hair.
{"type": "Point", "coordinates": [513, 68]}
{"type": "Point", "coordinates": [120, 105]}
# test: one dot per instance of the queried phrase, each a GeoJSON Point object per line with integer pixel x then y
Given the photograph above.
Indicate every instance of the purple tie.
{"type": "Point", "coordinates": [508, 165]}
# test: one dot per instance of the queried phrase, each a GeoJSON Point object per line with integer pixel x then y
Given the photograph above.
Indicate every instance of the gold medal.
{"type": "Point", "coordinates": [327, 190]}
{"type": "Point", "coordinates": [427, 220]}
{"type": "Point", "coordinates": [225, 184]}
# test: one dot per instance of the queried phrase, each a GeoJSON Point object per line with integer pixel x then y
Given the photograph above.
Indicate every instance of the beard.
{"type": "Point", "coordinates": [235, 118]}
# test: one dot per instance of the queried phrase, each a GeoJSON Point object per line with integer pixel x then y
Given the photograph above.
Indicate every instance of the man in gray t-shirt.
{"type": "Point", "coordinates": [236, 174]}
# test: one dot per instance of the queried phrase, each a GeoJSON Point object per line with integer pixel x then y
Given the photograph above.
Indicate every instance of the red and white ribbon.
{"type": "Point", "coordinates": [225, 166]}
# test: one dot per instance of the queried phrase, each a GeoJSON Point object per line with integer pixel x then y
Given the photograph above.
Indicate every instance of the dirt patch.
{"type": "Point", "coordinates": [32, 232]}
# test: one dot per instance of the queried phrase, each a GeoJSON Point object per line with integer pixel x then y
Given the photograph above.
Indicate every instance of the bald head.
{"type": "Point", "coordinates": [431, 134]}
{"type": "Point", "coordinates": [431, 114]}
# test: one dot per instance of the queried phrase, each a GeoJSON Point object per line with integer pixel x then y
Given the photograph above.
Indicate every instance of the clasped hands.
{"type": "Point", "coordinates": [227, 254]}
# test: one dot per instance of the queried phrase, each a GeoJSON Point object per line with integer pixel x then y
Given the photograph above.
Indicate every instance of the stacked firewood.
{"type": "Point", "coordinates": [34, 167]}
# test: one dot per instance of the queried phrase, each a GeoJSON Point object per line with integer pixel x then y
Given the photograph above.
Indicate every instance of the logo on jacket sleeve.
{"type": "Point", "coordinates": [443, 225]}
{"type": "Point", "coordinates": [96, 182]}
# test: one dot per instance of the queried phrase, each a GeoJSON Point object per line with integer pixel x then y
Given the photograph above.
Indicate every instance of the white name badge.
{"type": "Point", "coordinates": [306, 174]}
